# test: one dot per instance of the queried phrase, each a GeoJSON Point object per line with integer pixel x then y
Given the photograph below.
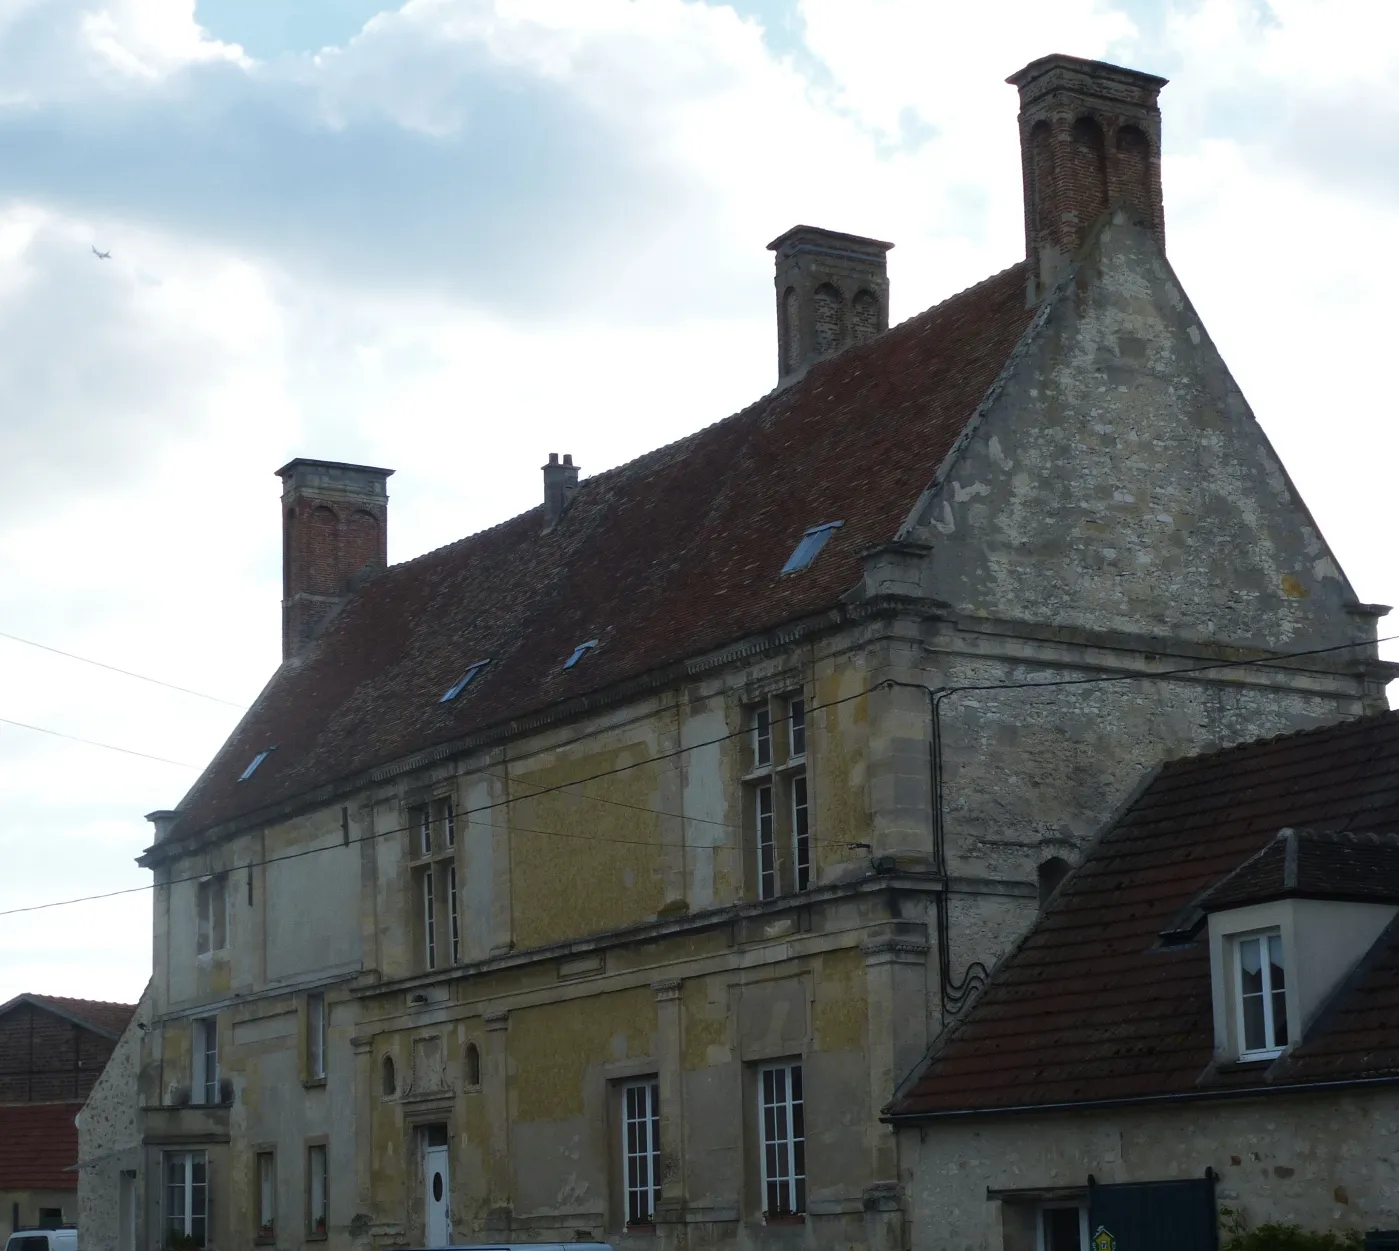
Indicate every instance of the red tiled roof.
{"type": "Point", "coordinates": [38, 1146]}
{"type": "Point", "coordinates": [97, 1014]}
{"type": "Point", "coordinates": [1093, 1006]}
{"type": "Point", "coordinates": [671, 556]}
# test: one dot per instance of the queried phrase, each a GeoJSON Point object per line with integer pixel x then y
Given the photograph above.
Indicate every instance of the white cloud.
{"type": "Point", "coordinates": [480, 232]}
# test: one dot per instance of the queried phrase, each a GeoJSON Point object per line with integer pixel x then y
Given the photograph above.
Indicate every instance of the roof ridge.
{"type": "Point", "coordinates": [1343, 725]}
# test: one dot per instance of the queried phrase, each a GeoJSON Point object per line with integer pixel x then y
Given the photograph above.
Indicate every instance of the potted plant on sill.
{"type": "Point", "coordinates": [784, 1216]}
{"type": "Point", "coordinates": [177, 1241]}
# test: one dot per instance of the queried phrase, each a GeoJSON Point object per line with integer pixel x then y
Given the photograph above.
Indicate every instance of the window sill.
{"type": "Point", "coordinates": [265, 1240]}
{"type": "Point", "coordinates": [641, 1227]}
{"type": "Point", "coordinates": [796, 1218]}
{"type": "Point", "coordinates": [1259, 1057]}
{"type": "Point", "coordinates": [313, 1083]}
{"type": "Point", "coordinates": [316, 1237]}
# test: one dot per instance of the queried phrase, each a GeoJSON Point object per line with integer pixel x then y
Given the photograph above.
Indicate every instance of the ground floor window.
{"type": "Point", "coordinates": [641, 1150]}
{"type": "Point", "coordinates": [1063, 1228]}
{"type": "Point", "coordinates": [266, 1196]}
{"type": "Point", "coordinates": [783, 1124]}
{"type": "Point", "coordinates": [316, 1206]}
{"type": "Point", "coordinates": [186, 1199]}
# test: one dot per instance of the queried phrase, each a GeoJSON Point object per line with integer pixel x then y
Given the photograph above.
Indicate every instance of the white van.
{"type": "Point", "coordinates": [502, 1246]}
{"type": "Point", "coordinates": [43, 1240]}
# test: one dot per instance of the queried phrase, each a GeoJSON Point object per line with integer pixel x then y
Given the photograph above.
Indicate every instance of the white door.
{"type": "Point", "coordinates": [439, 1217]}
{"type": "Point", "coordinates": [126, 1202]}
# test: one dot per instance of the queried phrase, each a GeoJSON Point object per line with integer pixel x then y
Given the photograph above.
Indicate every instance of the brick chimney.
{"type": "Point", "coordinates": [560, 482]}
{"type": "Point", "coordinates": [334, 536]}
{"type": "Point", "coordinates": [1090, 140]}
{"type": "Point", "coordinates": [832, 291]}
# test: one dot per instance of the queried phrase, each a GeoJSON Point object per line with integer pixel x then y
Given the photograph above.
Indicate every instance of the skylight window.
{"type": "Point", "coordinates": [579, 652]}
{"type": "Point", "coordinates": [463, 682]}
{"type": "Point", "coordinates": [255, 762]}
{"type": "Point", "coordinates": [810, 545]}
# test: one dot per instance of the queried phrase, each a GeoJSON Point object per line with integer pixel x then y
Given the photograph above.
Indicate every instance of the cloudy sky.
{"type": "Point", "coordinates": [453, 236]}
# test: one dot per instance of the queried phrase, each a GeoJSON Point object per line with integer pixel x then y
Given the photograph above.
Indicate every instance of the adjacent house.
{"type": "Point", "coordinates": [1207, 1012]}
{"type": "Point", "coordinates": [52, 1050]}
{"type": "Point", "coordinates": [605, 871]}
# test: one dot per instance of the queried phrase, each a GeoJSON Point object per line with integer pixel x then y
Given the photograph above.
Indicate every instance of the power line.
{"type": "Point", "coordinates": [663, 756]}
{"type": "Point", "coordinates": [92, 742]}
{"type": "Point", "coordinates": [141, 677]}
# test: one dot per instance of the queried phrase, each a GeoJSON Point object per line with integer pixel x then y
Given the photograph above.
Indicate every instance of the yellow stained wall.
{"type": "Point", "coordinates": [580, 865]}
{"type": "Point", "coordinates": [553, 1046]}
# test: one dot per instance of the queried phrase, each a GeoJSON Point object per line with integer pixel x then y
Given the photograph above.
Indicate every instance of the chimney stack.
{"type": "Point", "coordinates": [560, 482]}
{"type": "Point", "coordinates": [334, 536]}
{"type": "Point", "coordinates": [832, 291]}
{"type": "Point", "coordinates": [1090, 140]}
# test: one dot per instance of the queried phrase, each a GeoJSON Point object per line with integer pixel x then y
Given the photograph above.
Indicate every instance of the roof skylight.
{"type": "Point", "coordinates": [810, 545]}
{"type": "Point", "coordinates": [464, 681]}
{"type": "Point", "coordinates": [256, 760]}
{"type": "Point", "coordinates": [579, 652]}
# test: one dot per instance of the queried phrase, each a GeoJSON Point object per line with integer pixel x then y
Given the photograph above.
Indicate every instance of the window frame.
{"type": "Point", "coordinates": [648, 1156]}
{"type": "Point", "coordinates": [778, 807]}
{"type": "Point", "coordinates": [211, 914]}
{"type": "Point", "coordinates": [793, 1141]}
{"type": "Point", "coordinates": [317, 1151]}
{"type": "Point", "coordinates": [316, 1030]}
{"type": "Point", "coordinates": [266, 1194]}
{"type": "Point", "coordinates": [204, 1047]}
{"type": "Point", "coordinates": [431, 825]}
{"type": "Point", "coordinates": [187, 1188]}
{"type": "Point", "coordinates": [1042, 1209]}
{"type": "Point", "coordinates": [1272, 1048]}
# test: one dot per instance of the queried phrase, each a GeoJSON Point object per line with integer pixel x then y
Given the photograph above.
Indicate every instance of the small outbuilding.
{"type": "Point", "coordinates": [1204, 1020]}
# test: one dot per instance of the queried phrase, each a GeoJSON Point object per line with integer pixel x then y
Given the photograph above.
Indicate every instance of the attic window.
{"type": "Point", "coordinates": [463, 682]}
{"type": "Point", "coordinates": [810, 545]}
{"type": "Point", "coordinates": [255, 762]}
{"type": "Point", "coordinates": [579, 652]}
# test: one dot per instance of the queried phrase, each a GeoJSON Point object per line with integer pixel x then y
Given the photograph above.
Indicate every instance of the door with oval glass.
{"type": "Point", "coordinates": [437, 1197]}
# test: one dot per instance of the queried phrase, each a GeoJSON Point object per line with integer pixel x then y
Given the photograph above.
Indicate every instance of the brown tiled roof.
{"type": "Point", "coordinates": [1094, 1006]}
{"type": "Point", "coordinates": [104, 1017]}
{"type": "Point", "coordinates": [671, 556]}
{"type": "Point", "coordinates": [1313, 864]}
{"type": "Point", "coordinates": [38, 1146]}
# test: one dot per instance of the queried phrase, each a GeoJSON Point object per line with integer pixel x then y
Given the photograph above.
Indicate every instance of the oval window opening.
{"type": "Point", "coordinates": [437, 1187]}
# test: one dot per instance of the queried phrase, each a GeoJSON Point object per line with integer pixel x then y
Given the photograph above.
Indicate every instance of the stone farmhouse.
{"type": "Point", "coordinates": [606, 871]}
{"type": "Point", "coordinates": [1205, 1015]}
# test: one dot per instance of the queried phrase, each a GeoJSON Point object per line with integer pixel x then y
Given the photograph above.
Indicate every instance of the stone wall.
{"type": "Point", "coordinates": [109, 1139]}
{"type": "Point", "coordinates": [1324, 1161]}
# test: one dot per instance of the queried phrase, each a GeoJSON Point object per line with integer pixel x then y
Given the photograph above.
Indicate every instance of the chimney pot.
{"type": "Point", "coordinates": [1090, 140]}
{"type": "Point", "coordinates": [334, 538]}
{"type": "Point", "coordinates": [832, 291]}
{"type": "Point", "coordinates": [560, 482]}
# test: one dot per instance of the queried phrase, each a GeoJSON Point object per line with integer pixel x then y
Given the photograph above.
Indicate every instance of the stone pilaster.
{"type": "Point", "coordinates": [495, 1086]}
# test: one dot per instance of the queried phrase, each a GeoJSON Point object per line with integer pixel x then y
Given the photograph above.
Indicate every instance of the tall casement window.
{"type": "Point", "coordinates": [186, 1197]}
{"type": "Point", "coordinates": [266, 1196]}
{"type": "Point", "coordinates": [783, 1127]}
{"type": "Point", "coordinates": [204, 1086]}
{"type": "Point", "coordinates": [1262, 996]}
{"type": "Point", "coordinates": [211, 905]}
{"type": "Point", "coordinates": [317, 1199]}
{"type": "Point", "coordinates": [315, 1037]}
{"type": "Point", "coordinates": [432, 834]}
{"type": "Point", "coordinates": [641, 1150]}
{"type": "Point", "coordinates": [778, 799]}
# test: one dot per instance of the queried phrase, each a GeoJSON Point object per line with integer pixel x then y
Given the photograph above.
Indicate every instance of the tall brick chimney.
{"type": "Point", "coordinates": [1090, 140]}
{"type": "Point", "coordinates": [832, 291]}
{"type": "Point", "coordinates": [334, 535]}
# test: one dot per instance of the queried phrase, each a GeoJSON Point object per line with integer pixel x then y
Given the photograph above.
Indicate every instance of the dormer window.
{"type": "Point", "coordinates": [809, 546]}
{"type": "Point", "coordinates": [1262, 996]}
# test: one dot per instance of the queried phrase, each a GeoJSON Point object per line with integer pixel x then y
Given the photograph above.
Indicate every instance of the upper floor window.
{"type": "Point", "coordinates": [432, 831]}
{"type": "Point", "coordinates": [315, 1037]}
{"type": "Point", "coordinates": [782, 1124]}
{"type": "Point", "coordinates": [641, 1150]}
{"type": "Point", "coordinates": [212, 907]}
{"type": "Point", "coordinates": [778, 796]}
{"type": "Point", "coordinates": [205, 1085]}
{"type": "Point", "coordinates": [1261, 984]}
